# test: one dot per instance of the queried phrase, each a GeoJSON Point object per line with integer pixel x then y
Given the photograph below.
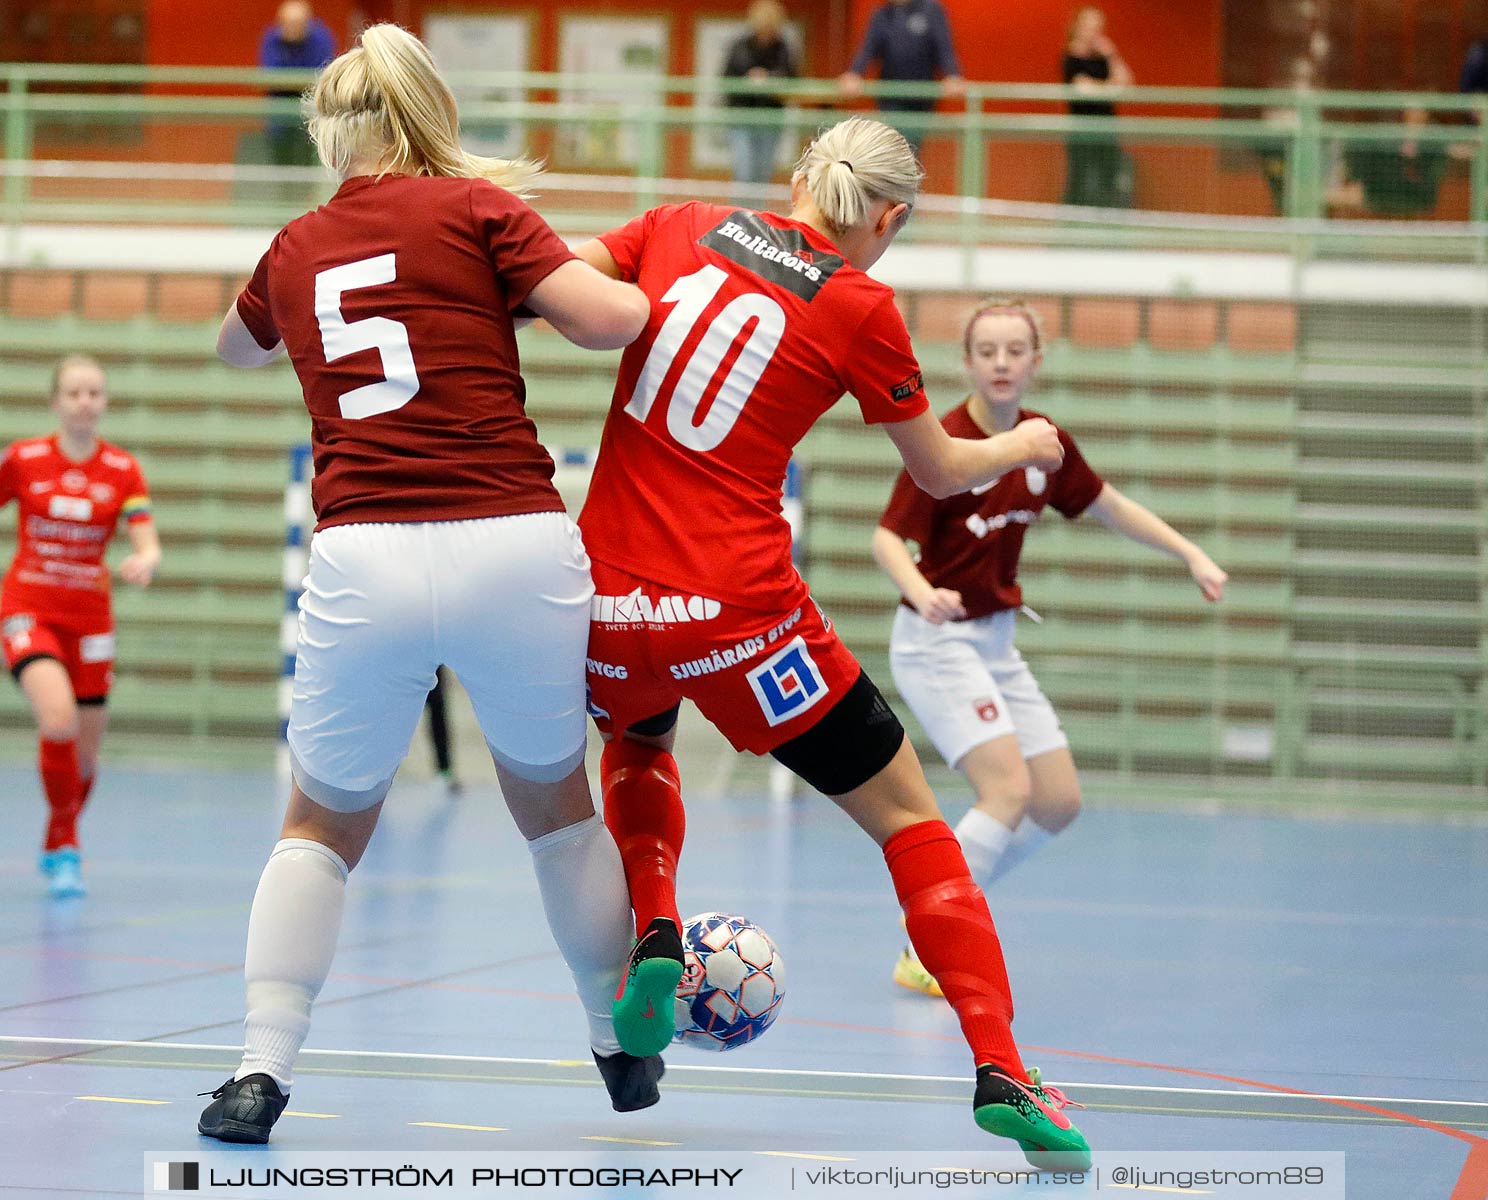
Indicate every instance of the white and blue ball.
{"type": "Point", "coordinates": [732, 982]}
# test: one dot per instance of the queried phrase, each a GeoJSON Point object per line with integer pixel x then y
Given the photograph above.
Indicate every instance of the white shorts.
{"type": "Point", "coordinates": [501, 601]}
{"type": "Point", "coordinates": [967, 684]}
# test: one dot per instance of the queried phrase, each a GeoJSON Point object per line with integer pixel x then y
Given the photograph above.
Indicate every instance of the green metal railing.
{"type": "Point", "coordinates": [1195, 151]}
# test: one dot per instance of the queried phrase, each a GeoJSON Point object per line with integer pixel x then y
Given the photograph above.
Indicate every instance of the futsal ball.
{"type": "Point", "coordinates": [733, 980]}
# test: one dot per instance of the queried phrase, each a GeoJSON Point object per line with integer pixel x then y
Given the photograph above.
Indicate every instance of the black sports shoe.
{"type": "Point", "coordinates": [243, 1110]}
{"type": "Point", "coordinates": [631, 1081]}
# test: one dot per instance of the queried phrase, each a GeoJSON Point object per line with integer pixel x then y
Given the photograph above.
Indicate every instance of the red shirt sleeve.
{"type": "Point", "coordinates": [522, 246]}
{"type": "Point", "coordinates": [880, 368]}
{"type": "Point", "coordinates": [8, 476]}
{"type": "Point", "coordinates": [910, 511]}
{"type": "Point", "coordinates": [253, 304]}
{"type": "Point", "coordinates": [1075, 486]}
{"type": "Point", "coordinates": [136, 496]}
{"type": "Point", "coordinates": [627, 242]}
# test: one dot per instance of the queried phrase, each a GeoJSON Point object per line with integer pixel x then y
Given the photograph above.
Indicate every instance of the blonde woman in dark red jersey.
{"type": "Point", "coordinates": [71, 488]}
{"type": "Point", "coordinates": [440, 539]}
{"type": "Point", "coordinates": [760, 324]}
{"type": "Point", "coordinates": [952, 649]}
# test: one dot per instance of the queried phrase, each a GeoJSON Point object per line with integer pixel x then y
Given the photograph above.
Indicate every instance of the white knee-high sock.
{"type": "Point", "coordinates": [1027, 838]}
{"type": "Point", "coordinates": [588, 907]}
{"type": "Point", "coordinates": [984, 840]}
{"type": "Point", "coordinates": [292, 935]}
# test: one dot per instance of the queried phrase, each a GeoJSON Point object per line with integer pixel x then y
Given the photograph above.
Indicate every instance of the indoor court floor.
{"type": "Point", "coordinates": [1201, 982]}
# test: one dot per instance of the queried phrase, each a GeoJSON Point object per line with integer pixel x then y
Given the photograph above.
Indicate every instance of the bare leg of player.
{"type": "Point", "coordinates": [953, 934]}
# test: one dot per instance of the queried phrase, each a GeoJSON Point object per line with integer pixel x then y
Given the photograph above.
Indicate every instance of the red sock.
{"type": "Point", "coordinates": [643, 809]}
{"type": "Point", "coordinates": [952, 932]}
{"type": "Point", "coordinates": [64, 788]}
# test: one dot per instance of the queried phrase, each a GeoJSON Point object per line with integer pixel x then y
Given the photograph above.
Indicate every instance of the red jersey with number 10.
{"type": "Point", "coordinates": [68, 513]}
{"type": "Point", "coordinates": [758, 326]}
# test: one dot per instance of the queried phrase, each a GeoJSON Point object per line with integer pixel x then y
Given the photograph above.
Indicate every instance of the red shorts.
{"type": "Point", "coordinates": [762, 678]}
{"type": "Point", "coordinates": [88, 654]}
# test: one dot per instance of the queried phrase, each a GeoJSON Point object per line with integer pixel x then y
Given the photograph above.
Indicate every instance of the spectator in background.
{"type": "Point", "coordinates": [1396, 179]}
{"type": "Point", "coordinates": [297, 40]}
{"type": "Point", "coordinates": [910, 40]}
{"type": "Point", "coordinates": [760, 55]}
{"type": "Point", "coordinates": [1475, 68]}
{"type": "Point", "coordinates": [1097, 171]}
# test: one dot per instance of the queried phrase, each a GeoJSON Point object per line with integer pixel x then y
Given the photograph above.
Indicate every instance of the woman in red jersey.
{"type": "Point", "coordinates": [58, 625]}
{"type": "Point", "coordinates": [952, 649]}
{"type": "Point", "coordinates": [440, 539]}
{"type": "Point", "coordinates": [760, 324]}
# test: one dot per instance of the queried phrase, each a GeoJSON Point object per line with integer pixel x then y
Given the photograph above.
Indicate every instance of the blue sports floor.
{"type": "Point", "coordinates": [1197, 980]}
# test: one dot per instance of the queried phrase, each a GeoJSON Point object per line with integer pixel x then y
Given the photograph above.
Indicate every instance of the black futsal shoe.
{"type": "Point", "coordinates": [243, 1110]}
{"type": "Point", "coordinates": [631, 1081]}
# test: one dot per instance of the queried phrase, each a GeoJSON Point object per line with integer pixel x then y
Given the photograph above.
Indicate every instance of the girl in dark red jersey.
{"type": "Point", "coordinates": [760, 323]}
{"type": "Point", "coordinates": [952, 649]}
{"type": "Point", "coordinates": [58, 625]}
{"type": "Point", "coordinates": [440, 540]}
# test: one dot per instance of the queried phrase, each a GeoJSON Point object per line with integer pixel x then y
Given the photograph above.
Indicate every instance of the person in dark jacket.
{"type": "Point", "coordinates": [760, 55]}
{"type": "Point", "coordinates": [298, 40]}
{"type": "Point", "coordinates": [1092, 64]}
{"type": "Point", "coordinates": [910, 40]}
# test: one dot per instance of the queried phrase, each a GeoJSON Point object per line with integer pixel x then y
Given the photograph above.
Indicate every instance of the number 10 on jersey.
{"type": "Point", "coordinates": [692, 294]}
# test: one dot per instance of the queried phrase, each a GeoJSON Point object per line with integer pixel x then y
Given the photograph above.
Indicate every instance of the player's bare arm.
{"type": "Point", "coordinates": [144, 560]}
{"type": "Point", "coordinates": [597, 255]}
{"type": "Point", "coordinates": [937, 605]}
{"type": "Point", "coordinates": [943, 466]}
{"type": "Point", "coordinates": [239, 348]}
{"type": "Point", "coordinates": [1138, 522]}
{"type": "Point", "coordinates": [589, 308]}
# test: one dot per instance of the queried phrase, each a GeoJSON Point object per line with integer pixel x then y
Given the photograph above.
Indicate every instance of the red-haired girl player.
{"type": "Point", "coordinates": [58, 625]}
{"type": "Point", "coordinates": [952, 649]}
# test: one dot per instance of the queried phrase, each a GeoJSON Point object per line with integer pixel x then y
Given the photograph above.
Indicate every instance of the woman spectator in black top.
{"type": "Point", "coordinates": [760, 55]}
{"type": "Point", "coordinates": [1093, 64]}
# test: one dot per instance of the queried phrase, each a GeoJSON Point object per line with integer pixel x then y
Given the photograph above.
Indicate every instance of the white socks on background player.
{"type": "Point", "coordinates": [992, 849]}
{"type": "Point", "coordinates": [292, 935]}
{"type": "Point", "coordinates": [588, 908]}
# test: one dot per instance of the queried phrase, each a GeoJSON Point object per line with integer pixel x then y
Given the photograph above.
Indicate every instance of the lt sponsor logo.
{"type": "Point", "coordinates": [70, 508]}
{"type": "Point", "coordinates": [982, 526]}
{"type": "Point", "coordinates": [788, 683]}
{"type": "Point", "coordinates": [640, 609]}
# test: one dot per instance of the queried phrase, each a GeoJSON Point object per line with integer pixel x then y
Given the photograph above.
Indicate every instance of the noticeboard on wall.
{"type": "Point", "coordinates": [633, 51]}
{"type": "Point", "coordinates": [462, 43]}
{"type": "Point", "coordinates": [712, 37]}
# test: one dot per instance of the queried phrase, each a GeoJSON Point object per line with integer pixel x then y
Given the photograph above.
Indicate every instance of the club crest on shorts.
{"type": "Point", "coordinates": [986, 709]}
{"type": "Point", "coordinates": [787, 683]}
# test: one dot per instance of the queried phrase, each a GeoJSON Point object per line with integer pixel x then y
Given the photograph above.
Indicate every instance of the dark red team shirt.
{"type": "Point", "coordinates": [969, 543]}
{"type": "Point", "coordinates": [68, 512]}
{"type": "Point", "coordinates": [396, 295]}
{"type": "Point", "coordinates": [758, 326]}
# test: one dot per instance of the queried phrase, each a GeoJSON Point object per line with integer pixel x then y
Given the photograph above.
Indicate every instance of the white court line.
{"type": "Point", "coordinates": [783, 1073]}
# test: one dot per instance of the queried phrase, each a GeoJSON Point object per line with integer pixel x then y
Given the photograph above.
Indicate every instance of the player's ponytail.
{"type": "Point", "coordinates": [854, 163]}
{"type": "Point", "coordinates": [386, 99]}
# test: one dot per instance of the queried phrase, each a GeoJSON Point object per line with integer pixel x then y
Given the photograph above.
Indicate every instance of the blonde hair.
{"type": "Point", "coordinates": [385, 100]}
{"type": "Point", "coordinates": [1014, 306]}
{"type": "Point", "coordinates": [67, 362]}
{"type": "Point", "coordinates": [855, 162]}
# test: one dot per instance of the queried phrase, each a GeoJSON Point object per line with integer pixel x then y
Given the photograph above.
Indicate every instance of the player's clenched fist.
{"type": "Point", "coordinates": [1041, 445]}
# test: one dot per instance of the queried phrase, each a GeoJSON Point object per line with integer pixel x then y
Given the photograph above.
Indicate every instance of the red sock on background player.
{"type": "Point", "coordinates": [643, 808]}
{"type": "Point", "coordinates": [952, 931]}
{"type": "Point", "coordinates": [58, 764]}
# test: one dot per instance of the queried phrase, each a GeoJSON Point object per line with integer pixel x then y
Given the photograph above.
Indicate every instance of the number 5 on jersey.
{"type": "Point", "coordinates": [692, 294]}
{"type": "Point", "coordinates": [400, 382]}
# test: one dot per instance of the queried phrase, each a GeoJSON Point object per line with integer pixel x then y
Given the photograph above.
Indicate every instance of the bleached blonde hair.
{"type": "Point", "coordinates": [69, 361]}
{"type": "Point", "coordinates": [855, 162]}
{"type": "Point", "coordinates": [385, 100]}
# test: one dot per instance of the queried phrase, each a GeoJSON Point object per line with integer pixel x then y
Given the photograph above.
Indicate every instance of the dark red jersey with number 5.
{"type": "Point", "coordinates": [758, 326]}
{"type": "Point", "coordinates": [394, 301]}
